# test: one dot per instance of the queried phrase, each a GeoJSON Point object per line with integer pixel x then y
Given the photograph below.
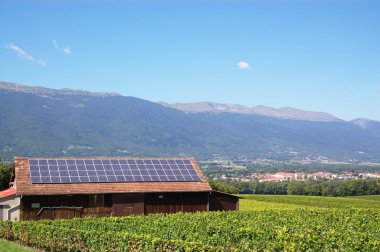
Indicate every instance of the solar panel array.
{"type": "Point", "coordinates": [69, 171]}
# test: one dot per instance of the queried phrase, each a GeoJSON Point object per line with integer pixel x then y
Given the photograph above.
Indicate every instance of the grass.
{"type": "Point", "coordinates": [287, 202]}
{"type": "Point", "coordinates": [249, 203]}
{"type": "Point", "coordinates": [368, 197]}
{"type": "Point", "coordinates": [7, 246]}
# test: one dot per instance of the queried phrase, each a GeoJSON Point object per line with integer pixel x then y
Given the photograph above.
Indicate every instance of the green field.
{"type": "Point", "coordinates": [368, 197]}
{"type": "Point", "coordinates": [265, 223]}
{"type": "Point", "coordinates": [7, 246]}
{"type": "Point", "coordinates": [262, 202]}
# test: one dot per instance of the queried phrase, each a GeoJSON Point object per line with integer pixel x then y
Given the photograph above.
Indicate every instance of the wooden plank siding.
{"type": "Point", "coordinates": [127, 204]}
{"type": "Point", "coordinates": [175, 202]}
{"type": "Point", "coordinates": [223, 202]}
{"type": "Point", "coordinates": [64, 206]}
{"type": "Point", "coordinates": [102, 205]}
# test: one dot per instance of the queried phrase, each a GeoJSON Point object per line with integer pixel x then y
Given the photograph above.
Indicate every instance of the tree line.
{"type": "Point", "coordinates": [310, 187]}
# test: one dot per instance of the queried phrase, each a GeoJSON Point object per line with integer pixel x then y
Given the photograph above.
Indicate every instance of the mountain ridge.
{"type": "Point", "coordinates": [76, 124]}
{"type": "Point", "coordinates": [283, 113]}
{"type": "Point", "coordinates": [195, 107]}
{"type": "Point", "coordinates": [49, 91]}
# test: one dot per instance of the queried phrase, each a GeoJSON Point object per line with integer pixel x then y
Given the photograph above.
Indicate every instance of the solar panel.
{"type": "Point", "coordinates": [68, 171]}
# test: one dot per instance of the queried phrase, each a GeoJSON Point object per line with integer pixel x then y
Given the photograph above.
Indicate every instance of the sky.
{"type": "Point", "coordinates": [317, 55]}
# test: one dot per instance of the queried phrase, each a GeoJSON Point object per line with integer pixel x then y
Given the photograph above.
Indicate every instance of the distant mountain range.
{"type": "Point", "coordinates": [37, 121]}
{"type": "Point", "coordinates": [284, 113]}
{"type": "Point", "coordinates": [49, 91]}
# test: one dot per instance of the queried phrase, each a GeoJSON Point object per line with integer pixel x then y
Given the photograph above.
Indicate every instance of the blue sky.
{"type": "Point", "coordinates": [314, 55]}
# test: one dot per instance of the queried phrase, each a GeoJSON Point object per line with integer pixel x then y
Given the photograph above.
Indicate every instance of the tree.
{"type": "Point", "coordinates": [5, 175]}
{"type": "Point", "coordinates": [312, 188]}
{"type": "Point", "coordinates": [222, 187]}
{"type": "Point", "coordinates": [296, 188]}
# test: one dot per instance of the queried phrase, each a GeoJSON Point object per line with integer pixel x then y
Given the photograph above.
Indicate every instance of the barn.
{"type": "Point", "coordinates": [69, 187]}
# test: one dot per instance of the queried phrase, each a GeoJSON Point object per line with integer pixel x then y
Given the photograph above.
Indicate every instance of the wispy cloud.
{"type": "Point", "coordinates": [66, 50]}
{"type": "Point", "coordinates": [21, 53]}
{"type": "Point", "coordinates": [243, 65]}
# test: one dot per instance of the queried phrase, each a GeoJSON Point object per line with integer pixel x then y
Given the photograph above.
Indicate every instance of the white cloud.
{"type": "Point", "coordinates": [21, 53]}
{"type": "Point", "coordinates": [243, 65]}
{"type": "Point", "coordinates": [41, 62]}
{"type": "Point", "coordinates": [65, 50]}
{"type": "Point", "coordinates": [55, 44]}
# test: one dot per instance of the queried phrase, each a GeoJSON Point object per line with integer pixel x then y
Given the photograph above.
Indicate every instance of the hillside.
{"type": "Point", "coordinates": [47, 122]}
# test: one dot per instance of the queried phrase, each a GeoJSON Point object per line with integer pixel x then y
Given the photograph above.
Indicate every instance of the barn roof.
{"type": "Point", "coordinates": [26, 184]}
{"type": "Point", "coordinates": [7, 192]}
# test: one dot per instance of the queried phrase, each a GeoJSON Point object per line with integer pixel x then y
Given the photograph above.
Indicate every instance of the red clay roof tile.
{"type": "Point", "coordinates": [8, 192]}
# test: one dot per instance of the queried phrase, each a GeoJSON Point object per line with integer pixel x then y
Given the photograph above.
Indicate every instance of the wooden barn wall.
{"type": "Point", "coordinates": [65, 206]}
{"type": "Point", "coordinates": [176, 202]}
{"type": "Point", "coordinates": [222, 202]}
{"type": "Point", "coordinates": [101, 205]}
{"type": "Point", "coordinates": [127, 204]}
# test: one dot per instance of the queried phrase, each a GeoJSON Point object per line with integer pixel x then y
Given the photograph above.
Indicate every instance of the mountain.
{"type": "Point", "coordinates": [48, 91]}
{"type": "Point", "coordinates": [362, 122]}
{"type": "Point", "coordinates": [284, 113]}
{"type": "Point", "coordinates": [35, 121]}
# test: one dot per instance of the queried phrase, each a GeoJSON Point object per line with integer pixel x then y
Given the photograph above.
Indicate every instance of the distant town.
{"type": "Point", "coordinates": [281, 171]}
{"type": "Point", "coordinates": [298, 176]}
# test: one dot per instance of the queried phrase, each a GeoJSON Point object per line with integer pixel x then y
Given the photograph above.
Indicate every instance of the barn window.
{"type": "Point", "coordinates": [35, 205]}
{"type": "Point", "coordinates": [99, 200]}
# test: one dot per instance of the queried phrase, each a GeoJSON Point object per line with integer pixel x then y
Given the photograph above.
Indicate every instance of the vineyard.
{"type": "Point", "coordinates": [298, 229]}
